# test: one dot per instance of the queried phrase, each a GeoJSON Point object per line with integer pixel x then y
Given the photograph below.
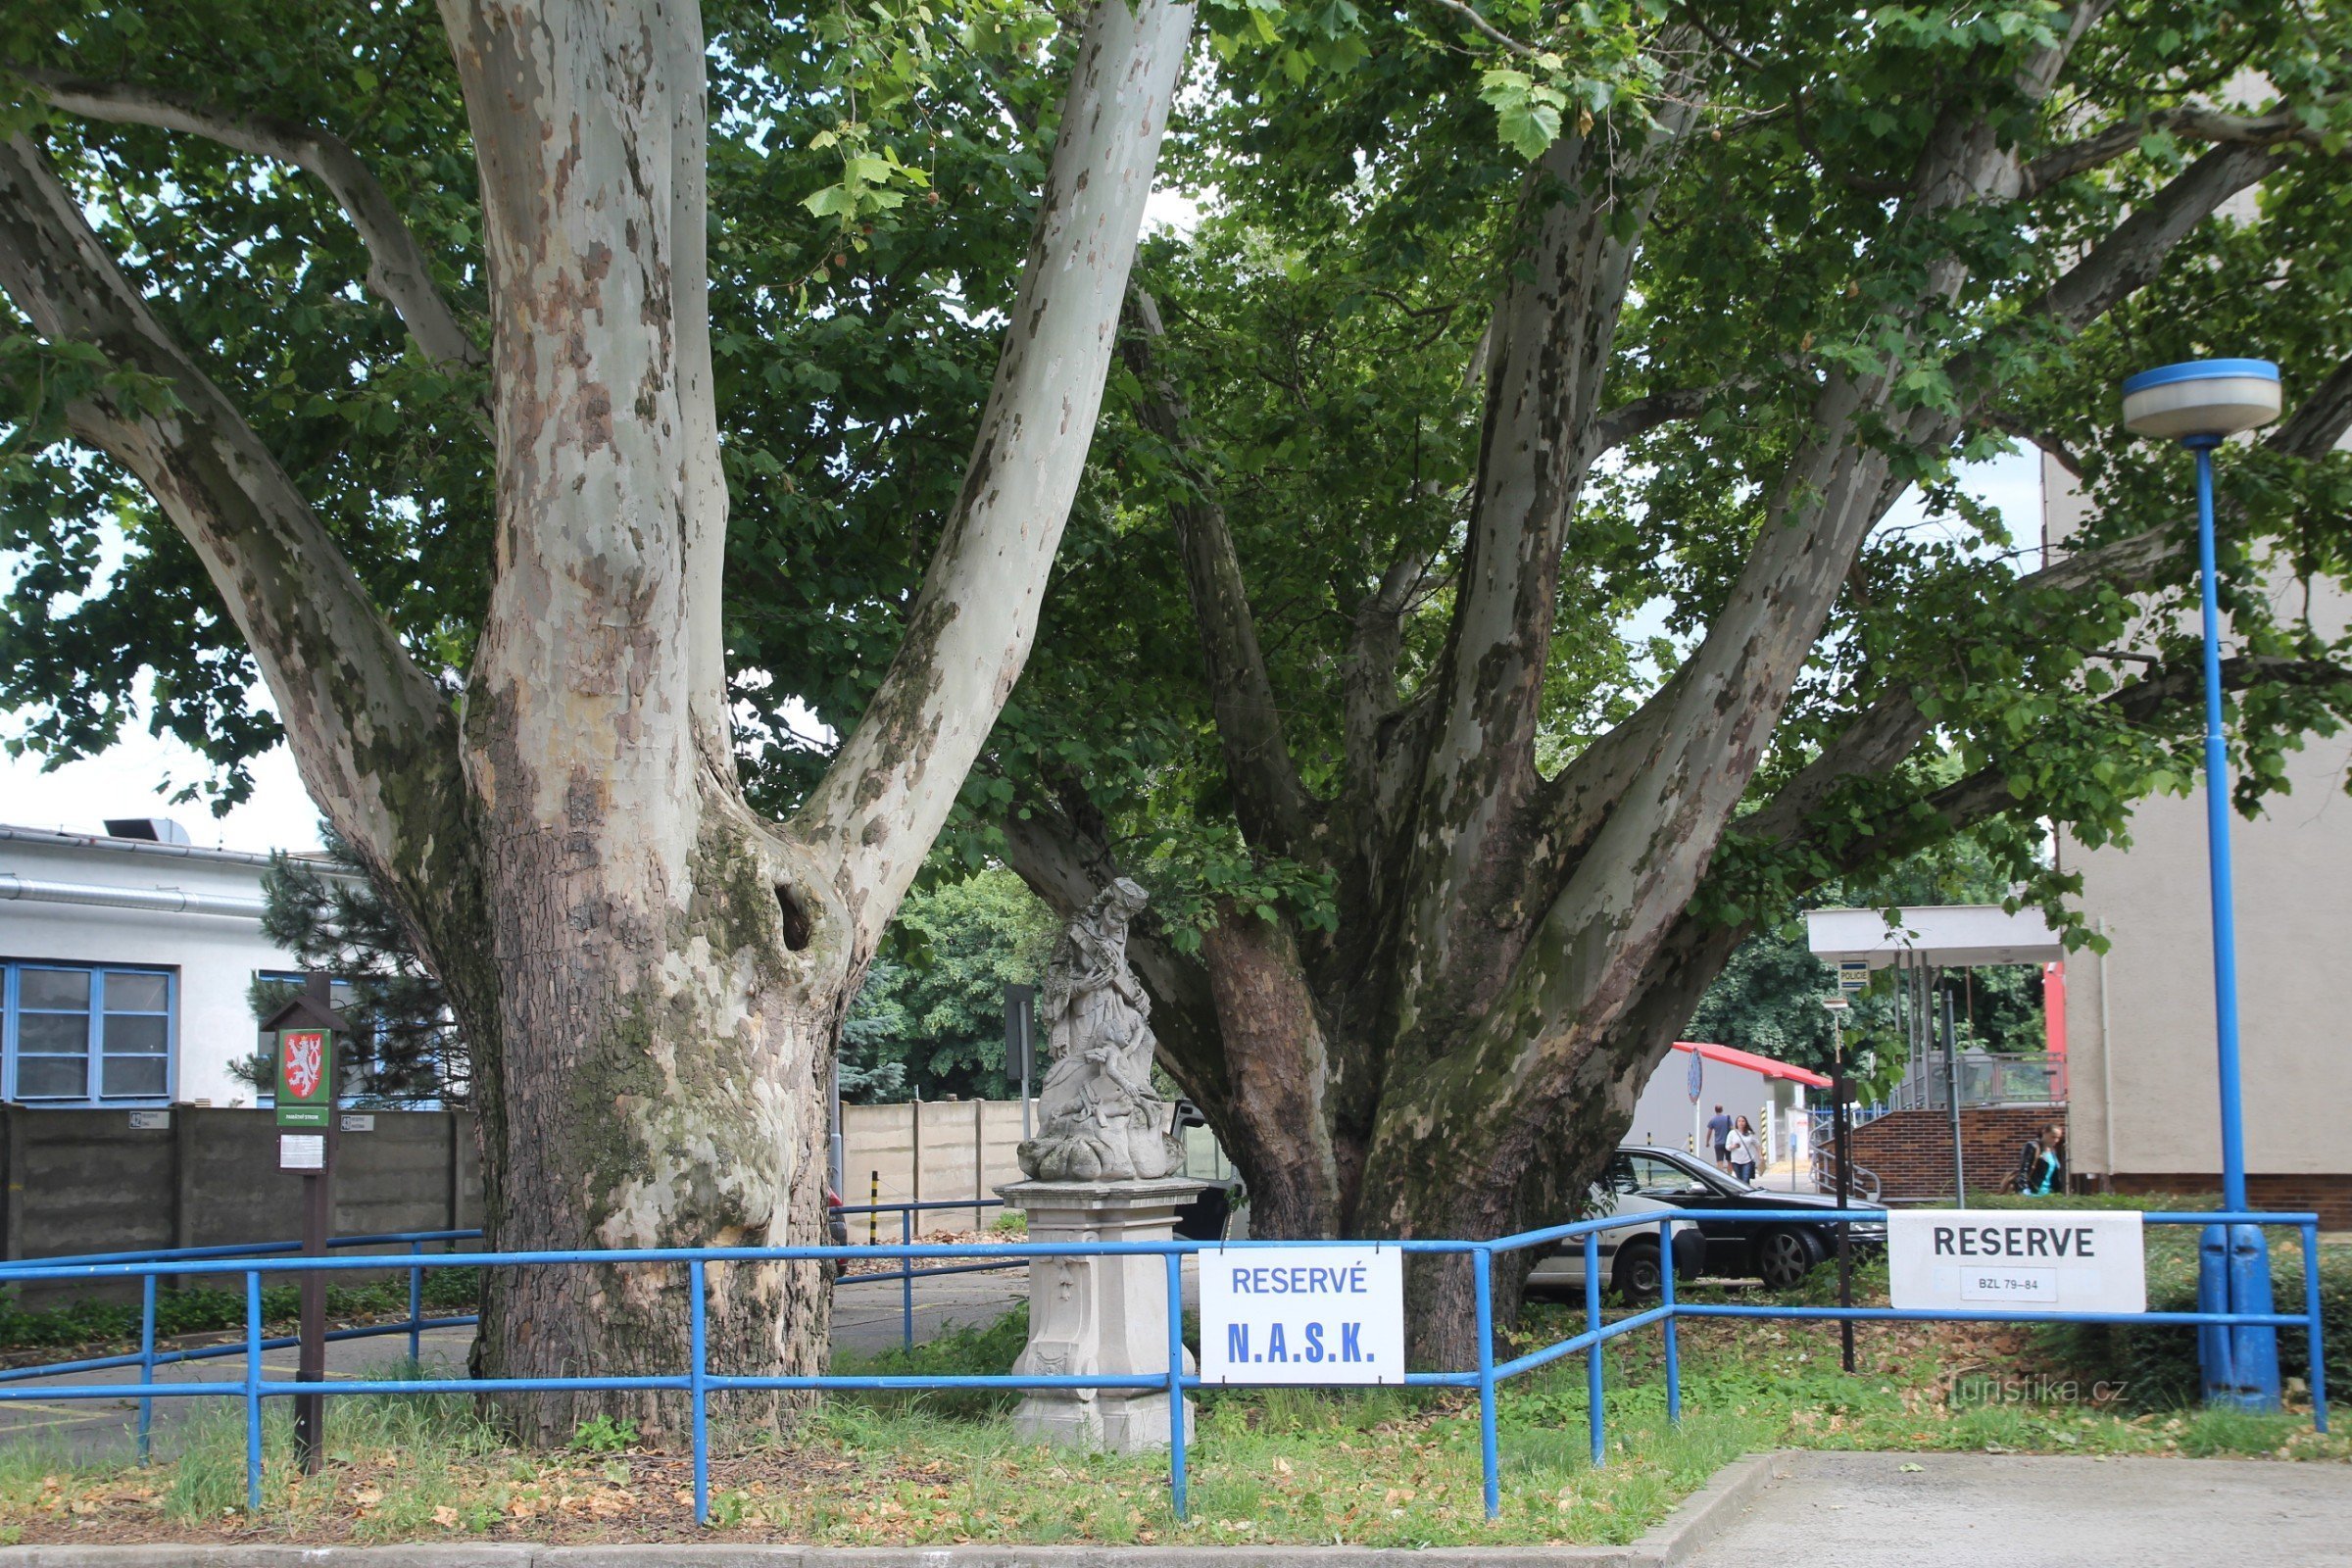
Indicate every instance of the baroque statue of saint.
{"type": "Point", "coordinates": [1098, 1117]}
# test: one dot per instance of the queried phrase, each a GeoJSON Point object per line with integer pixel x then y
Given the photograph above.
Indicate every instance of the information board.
{"type": "Point", "coordinates": [1303, 1314]}
{"type": "Point", "coordinates": [2049, 1260]}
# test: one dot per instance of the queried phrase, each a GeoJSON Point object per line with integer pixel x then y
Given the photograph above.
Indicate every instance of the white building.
{"type": "Point", "coordinates": [124, 965]}
{"type": "Point", "coordinates": [1770, 1094]}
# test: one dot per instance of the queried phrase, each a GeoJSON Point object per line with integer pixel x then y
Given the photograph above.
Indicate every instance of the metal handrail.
{"type": "Point", "coordinates": [697, 1382]}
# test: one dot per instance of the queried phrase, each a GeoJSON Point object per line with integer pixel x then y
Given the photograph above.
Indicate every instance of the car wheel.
{"type": "Point", "coordinates": [1637, 1276]}
{"type": "Point", "coordinates": [1783, 1259]}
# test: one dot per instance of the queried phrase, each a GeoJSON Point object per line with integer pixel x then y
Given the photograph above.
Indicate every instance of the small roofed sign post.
{"type": "Point", "coordinates": [308, 1029]}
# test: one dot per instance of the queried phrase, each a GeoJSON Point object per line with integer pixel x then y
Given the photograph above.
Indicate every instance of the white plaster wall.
{"type": "Point", "coordinates": [214, 956]}
{"type": "Point", "coordinates": [2139, 1020]}
{"type": "Point", "coordinates": [1662, 1116]}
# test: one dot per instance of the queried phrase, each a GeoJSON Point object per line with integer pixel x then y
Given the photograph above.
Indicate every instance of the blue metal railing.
{"type": "Point", "coordinates": [698, 1383]}
{"type": "Point", "coordinates": [906, 1273]}
{"type": "Point", "coordinates": [147, 1358]}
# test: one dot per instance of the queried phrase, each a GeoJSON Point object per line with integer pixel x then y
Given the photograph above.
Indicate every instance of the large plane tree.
{"type": "Point", "coordinates": [1503, 612]}
{"type": "Point", "coordinates": [410, 361]}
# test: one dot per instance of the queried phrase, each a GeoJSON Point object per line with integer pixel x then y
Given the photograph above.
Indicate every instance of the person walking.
{"type": "Point", "coordinates": [1719, 1133]}
{"type": "Point", "coordinates": [2049, 1164]}
{"type": "Point", "coordinates": [1739, 1147]}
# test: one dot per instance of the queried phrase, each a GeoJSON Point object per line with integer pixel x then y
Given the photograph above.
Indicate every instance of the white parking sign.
{"type": "Point", "coordinates": [1980, 1259]}
{"type": "Point", "coordinates": [1303, 1314]}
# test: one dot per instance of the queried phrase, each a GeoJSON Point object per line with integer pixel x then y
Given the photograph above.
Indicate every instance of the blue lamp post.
{"type": "Point", "coordinates": [2200, 403]}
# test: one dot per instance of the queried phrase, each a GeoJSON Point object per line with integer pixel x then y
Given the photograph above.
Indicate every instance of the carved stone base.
{"type": "Point", "coordinates": [1099, 1316]}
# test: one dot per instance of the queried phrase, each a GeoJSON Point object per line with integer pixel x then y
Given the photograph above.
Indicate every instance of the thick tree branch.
{"type": "Point", "coordinates": [896, 777]}
{"type": "Point", "coordinates": [2188, 122]}
{"type": "Point", "coordinates": [1889, 730]}
{"type": "Point", "coordinates": [1273, 806]}
{"type": "Point", "coordinates": [397, 269]}
{"type": "Point", "coordinates": [2130, 256]}
{"type": "Point", "coordinates": [375, 741]}
{"type": "Point", "coordinates": [1545, 370]}
{"type": "Point", "coordinates": [1704, 736]}
{"type": "Point", "coordinates": [1985, 793]}
{"type": "Point", "coordinates": [1643, 414]}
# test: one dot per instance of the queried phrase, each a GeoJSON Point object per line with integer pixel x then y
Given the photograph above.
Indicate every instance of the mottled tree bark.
{"type": "Point", "coordinates": [651, 976]}
{"type": "Point", "coordinates": [1515, 954]}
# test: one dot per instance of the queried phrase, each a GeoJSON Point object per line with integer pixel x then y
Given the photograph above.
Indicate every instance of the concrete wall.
{"type": "Point", "coordinates": [213, 957]}
{"type": "Point", "coordinates": [2139, 1019]}
{"type": "Point", "coordinates": [930, 1150]}
{"type": "Point", "coordinates": [88, 1181]}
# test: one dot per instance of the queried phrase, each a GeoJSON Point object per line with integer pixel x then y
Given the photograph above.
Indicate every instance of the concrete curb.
{"type": "Point", "coordinates": [1703, 1516]}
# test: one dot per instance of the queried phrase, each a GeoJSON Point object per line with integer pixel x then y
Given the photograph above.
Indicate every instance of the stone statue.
{"type": "Point", "coordinates": [1098, 1117]}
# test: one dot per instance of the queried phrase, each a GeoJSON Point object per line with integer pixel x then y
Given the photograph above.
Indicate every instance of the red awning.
{"type": "Point", "coordinates": [1732, 1056]}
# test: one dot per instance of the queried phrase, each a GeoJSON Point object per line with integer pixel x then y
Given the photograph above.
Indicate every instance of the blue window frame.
{"type": "Point", "coordinates": [88, 1035]}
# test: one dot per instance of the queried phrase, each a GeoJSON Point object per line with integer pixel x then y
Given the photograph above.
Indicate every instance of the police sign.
{"type": "Point", "coordinates": [1303, 1314]}
{"type": "Point", "coordinates": [2057, 1260]}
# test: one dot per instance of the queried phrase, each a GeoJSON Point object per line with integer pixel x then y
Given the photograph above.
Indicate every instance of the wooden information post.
{"type": "Point", "coordinates": [308, 1029]}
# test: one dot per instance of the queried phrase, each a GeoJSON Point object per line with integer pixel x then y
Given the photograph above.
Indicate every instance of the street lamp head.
{"type": "Point", "coordinates": [2205, 399]}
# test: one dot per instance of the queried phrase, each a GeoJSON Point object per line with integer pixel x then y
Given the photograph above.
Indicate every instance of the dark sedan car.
{"type": "Point", "coordinates": [1780, 1252]}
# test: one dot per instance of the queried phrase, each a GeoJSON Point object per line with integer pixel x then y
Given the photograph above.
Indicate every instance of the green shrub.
{"type": "Point", "coordinates": [207, 1311]}
{"type": "Point", "coordinates": [2158, 1363]}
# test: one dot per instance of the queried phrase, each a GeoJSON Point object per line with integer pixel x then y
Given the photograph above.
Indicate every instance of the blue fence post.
{"type": "Point", "coordinates": [1593, 1327]}
{"type": "Point", "coordinates": [2318, 1378]}
{"type": "Point", "coordinates": [907, 1279]}
{"type": "Point", "coordinates": [1674, 1364]}
{"type": "Point", "coordinates": [696, 1394]}
{"type": "Point", "coordinates": [146, 1367]}
{"type": "Point", "coordinates": [415, 1304]}
{"type": "Point", "coordinates": [1489, 1457]}
{"type": "Point", "coordinates": [1177, 1481]}
{"type": "Point", "coordinates": [253, 1390]}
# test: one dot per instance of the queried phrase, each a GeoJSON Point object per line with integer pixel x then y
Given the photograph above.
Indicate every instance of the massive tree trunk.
{"type": "Point", "coordinates": [651, 975]}
{"type": "Point", "coordinates": [1514, 954]}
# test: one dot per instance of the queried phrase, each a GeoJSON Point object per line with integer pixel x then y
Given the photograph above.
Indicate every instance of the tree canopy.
{"type": "Point", "coordinates": [1485, 603]}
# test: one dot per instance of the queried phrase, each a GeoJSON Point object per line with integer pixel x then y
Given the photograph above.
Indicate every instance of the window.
{"type": "Point", "coordinates": [1646, 1173]}
{"type": "Point", "coordinates": [87, 1036]}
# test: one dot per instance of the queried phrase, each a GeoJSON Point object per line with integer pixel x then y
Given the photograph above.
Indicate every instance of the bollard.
{"type": "Point", "coordinates": [2239, 1360]}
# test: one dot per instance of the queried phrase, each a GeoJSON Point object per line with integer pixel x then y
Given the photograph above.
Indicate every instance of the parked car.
{"type": "Point", "coordinates": [1629, 1257]}
{"type": "Point", "coordinates": [1780, 1252]}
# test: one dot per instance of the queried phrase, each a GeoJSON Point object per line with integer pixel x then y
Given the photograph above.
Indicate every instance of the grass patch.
{"type": "Point", "coordinates": [93, 1323]}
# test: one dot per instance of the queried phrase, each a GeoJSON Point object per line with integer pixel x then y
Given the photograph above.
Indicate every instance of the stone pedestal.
{"type": "Point", "coordinates": [1099, 1316]}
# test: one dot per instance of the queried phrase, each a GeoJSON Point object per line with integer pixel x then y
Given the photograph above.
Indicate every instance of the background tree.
{"type": "Point", "coordinates": [399, 345]}
{"type": "Point", "coordinates": [406, 1049]}
{"type": "Point", "coordinates": [1494, 613]}
{"type": "Point", "coordinates": [936, 1008]}
{"type": "Point", "coordinates": [1768, 996]}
